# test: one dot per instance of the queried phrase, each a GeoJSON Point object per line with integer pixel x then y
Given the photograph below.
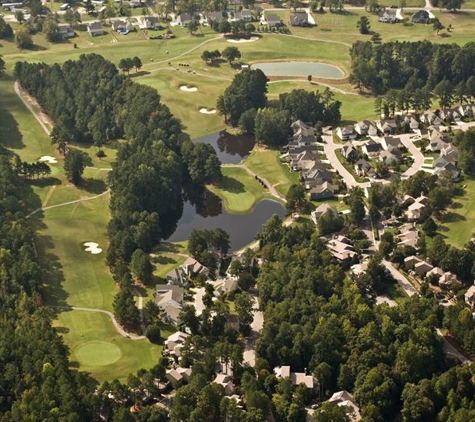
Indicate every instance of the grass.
{"type": "Point", "coordinates": [457, 223]}
{"type": "Point", "coordinates": [262, 160]}
{"type": "Point", "coordinates": [239, 190]}
{"type": "Point", "coordinates": [99, 349]}
{"type": "Point", "coordinates": [165, 262]}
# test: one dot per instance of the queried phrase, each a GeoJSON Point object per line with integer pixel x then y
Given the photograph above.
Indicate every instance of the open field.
{"type": "Point", "coordinates": [457, 224]}
{"type": "Point", "coordinates": [239, 190]}
{"type": "Point", "coordinates": [261, 160]}
{"type": "Point", "coordinates": [100, 350]}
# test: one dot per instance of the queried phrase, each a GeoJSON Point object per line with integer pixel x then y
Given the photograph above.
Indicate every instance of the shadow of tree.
{"type": "Point", "coordinates": [231, 185]}
{"type": "Point", "coordinates": [95, 186]}
{"type": "Point", "coordinates": [164, 260]}
{"type": "Point", "coordinates": [452, 217]}
{"type": "Point", "coordinates": [10, 135]}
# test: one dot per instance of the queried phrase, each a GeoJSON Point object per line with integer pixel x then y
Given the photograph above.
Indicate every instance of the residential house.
{"type": "Point", "coordinates": [346, 400]}
{"type": "Point", "coordinates": [316, 175]}
{"type": "Point", "coordinates": [174, 343]}
{"type": "Point", "coordinates": [389, 158]}
{"type": "Point", "coordinates": [168, 295]}
{"type": "Point", "coordinates": [449, 170]}
{"type": "Point", "coordinates": [304, 134]}
{"type": "Point", "coordinates": [450, 153]}
{"type": "Point", "coordinates": [192, 268]}
{"type": "Point", "coordinates": [470, 296]}
{"type": "Point", "coordinates": [341, 250]}
{"type": "Point", "coordinates": [389, 142]}
{"type": "Point", "coordinates": [95, 29]}
{"type": "Point", "coordinates": [450, 115]}
{"type": "Point", "coordinates": [296, 378]}
{"type": "Point", "coordinates": [360, 268]}
{"type": "Point", "coordinates": [244, 15]}
{"type": "Point", "coordinates": [171, 315]}
{"type": "Point", "coordinates": [299, 19]}
{"type": "Point", "coordinates": [366, 128]}
{"type": "Point", "coordinates": [65, 31]}
{"type": "Point", "coordinates": [349, 151]}
{"type": "Point", "coordinates": [408, 238]}
{"type": "Point", "coordinates": [362, 167]}
{"type": "Point", "coordinates": [430, 118]}
{"type": "Point", "coordinates": [448, 278]}
{"type": "Point", "coordinates": [226, 286]}
{"type": "Point", "coordinates": [406, 200]}
{"type": "Point", "coordinates": [436, 272]}
{"type": "Point", "coordinates": [438, 140]}
{"type": "Point", "coordinates": [226, 382]}
{"type": "Point", "coordinates": [174, 377]}
{"type": "Point", "coordinates": [122, 25]}
{"type": "Point", "coordinates": [184, 19]}
{"type": "Point", "coordinates": [411, 261]}
{"type": "Point", "coordinates": [422, 16]}
{"type": "Point", "coordinates": [412, 122]}
{"type": "Point", "coordinates": [304, 161]}
{"type": "Point", "coordinates": [215, 17]}
{"type": "Point", "coordinates": [415, 210]}
{"type": "Point", "coordinates": [322, 209]}
{"type": "Point", "coordinates": [466, 110]}
{"type": "Point", "coordinates": [422, 268]}
{"type": "Point", "coordinates": [148, 22]}
{"type": "Point", "coordinates": [324, 191]}
{"type": "Point", "coordinates": [346, 132]}
{"type": "Point", "coordinates": [273, 21]}
{"type": "Point", "coordinates": [388, 16]}
{"type": "Point", "coordinates": [134, 4]}
{"type": "Point", "coordinates": [372, 148]}
{"type": "Point", "coordinates": [387, 127]}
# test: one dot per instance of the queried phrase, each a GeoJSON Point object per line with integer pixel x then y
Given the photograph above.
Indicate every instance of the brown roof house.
{"type": "Point", "coordinates": [422, 268]}
{"type": "Point", "coordinates": [346, 400]}
{"type": "Point", "coordinates": [346, 133]}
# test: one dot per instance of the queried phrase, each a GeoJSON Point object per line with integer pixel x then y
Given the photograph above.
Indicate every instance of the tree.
{"type": "Point", "coordinates": [125, 310]}
{"type": "Point", "coordinates": [296, 200]}
{"type": "Point", "coordinates": [22, 37]}
{"type": "Point", "coordinates": [330, 412]}
{"type": "Point", "coordinates": [19, 16]}
{"type": "Point", "coordinates": [153, 333]}
{"type": "Point", "coordinates": [244, 304]}
{"type": "Point", "coordinates": [75, 162]}
{"type": "Point", "coordinates": [137, 63]}
{"type": "Point", "coordinates": [272, 127]}
{"type": "Point", "coordinates": [6, 31]}
{"type": "Point", "coordinates": [363, 25]}
{"type": "Point", "coordinates": [329, 222]}
{"type": "Point", "coordinates": [125, 65]}
{"type": "Point", "coordinates": [151, 313]}
{"type": "Point", "coordinates": [141, 266]}
{"type": "Point", "coordinates": [231, 54]}
{"type": "Point", "coordinates": [437, 25]}
{"type": "Point", "coordinates": [73, 17]}
{"type": "Point", "coordinates": [2, 67]}
{"type": "Point", "coordinates": [51, 29]}
{"type": "Point", "coordinates": [247, 121]}
{"type": "Point", "coordinates": [452, 5]}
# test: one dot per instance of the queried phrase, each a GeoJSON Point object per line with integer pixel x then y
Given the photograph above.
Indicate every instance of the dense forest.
{"type": "Point", "coordinates": [415, 67]}
{"type": "Point", "coordinates": [91, 102]}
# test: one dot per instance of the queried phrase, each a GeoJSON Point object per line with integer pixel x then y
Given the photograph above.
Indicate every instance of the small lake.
{"type": "Point", "coordinates": [231, 149]}
{"type": "Point", "coordinates": [319, 70]}
{"type": "Point", "coordinates": [210, 214]}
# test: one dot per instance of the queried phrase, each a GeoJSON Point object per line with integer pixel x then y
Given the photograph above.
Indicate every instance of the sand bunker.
{"type": "Point", "coordinates": [188, 88]}
{"type": "Point", "coordinates": [241, 40]}
{"type": "Point", "coordinates": [204, 110]}
{"type": "Point", "coordinates": [92, 247]}
{"type": "Point", "coordinates": [48, 159]}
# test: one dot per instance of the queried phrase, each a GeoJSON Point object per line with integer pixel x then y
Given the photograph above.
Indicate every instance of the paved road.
{"type": "Point", "coordinates": [401, 280]}
{"type": "Point", "coordinates": [452, 352]}
{"type": "Point", "coordinates": [256, 326]}
{"type": "Point", "coordinates": [416, 153]}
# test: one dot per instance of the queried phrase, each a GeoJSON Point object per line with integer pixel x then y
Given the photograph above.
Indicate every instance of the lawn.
{"type": "Point", "coordinates": [100, 350]}
{"type": "Point", "coordinates": [266, 163]}
{"type": "Point", "coordinates": [457, 224]}
{"type": "Point", "coordinates": [239, 190]}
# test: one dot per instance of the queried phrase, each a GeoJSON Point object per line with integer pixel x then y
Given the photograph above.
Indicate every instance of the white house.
{"type": "Point", "coordinates": [346, 132]}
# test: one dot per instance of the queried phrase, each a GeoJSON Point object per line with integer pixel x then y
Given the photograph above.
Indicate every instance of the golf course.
{"type": "Point", "coordinates": [71, 221]}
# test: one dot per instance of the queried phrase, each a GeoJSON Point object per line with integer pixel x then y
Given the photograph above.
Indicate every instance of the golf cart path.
{"type": "Point", "coordinates": [76, 201]}
{"type": "Point", "coordinates": [274, 192]}
{"type": "Point", "coordinates": [117, 326]}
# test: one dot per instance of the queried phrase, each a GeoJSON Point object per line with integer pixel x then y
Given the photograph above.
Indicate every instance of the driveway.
{"type": "Point", "coordinates": [256, 326]}
{"type": "Point", "coordinates": [401, 280]}
{"type": "Point", "coordinates": [416, 153]}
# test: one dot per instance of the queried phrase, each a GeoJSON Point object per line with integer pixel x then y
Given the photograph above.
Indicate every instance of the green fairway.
{"type": "Point", "coordinates": [100, 350]}
{"type": "Point", "coordinates": [239, 190]}
{"type": "Point", "coordinates": [457, 223]}
{"type": "Point", "coordinates": [266, 163]}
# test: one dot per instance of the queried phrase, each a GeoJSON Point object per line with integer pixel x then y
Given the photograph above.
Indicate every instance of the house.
{"type": "Point", "coordinates": [148, 22]}
{"type": "Point", "coordinates": [430, 118]}
{"type": "Point", "coordinates": [305, 161]}
{"type": "Point", "coordinates": [388, 16]}
{"type": "Point", "coordinates": [362, 167]}
{"type": "Point", "coordinates": [226, 382]}
{"type": "Point", "coordinates": [185, 373]}
{"type": "Point", "coordinates": [134, 3]}
{"type": "Point", "coordinates": [227, 286]}
{"type": "Point", "coordinates": [299, 19]}
{"type": "Point", "coordinates": [406, 200]}
{"type": "Point", "coordinates": [95, 29]}
{"type": "Point", "coordinates": [174, 377]}
{"type": "Point", "coordinates": [184, 19]}
{"type": "Point", "coordinates": [304, 134]}
{"type": "Point", "coordinates": [466, 110]}
{"type": "Point", "coordinates": [410, 120]}
{"type": "Point", "coordinates": [324, 191]}
{"type": "Point", "coordinates": [450, 115]}
{"type": "Point", "coordinates": [349, 151]}
{"type": "Point", "coordinates": [122, 25]}
{"type": "Point", "coordinates": [168, 295]}
{"type": "Point", "coordinates": [470, 296]}
{"type": "Point", "coordinates": [409, 238]}
{"type": "Point", "coordinates": [372, 148]}
{"type": "Point", "coordinates": [389, 158]}
{"type": "Point", "coordinates": [272, 21]}
{"type": "Point", "coordinates": [174, 343]}
{"type": "Point", "coordinates": [436, 272]}
{"type": "Point", "coordinates": [449, 171]}
{"type": "Point", "coordinates": [438, 140]}
{"type": "Point", "coordinates": [365, 128]}
{"type": "Point", "coordinates": [450, 153]}
{"type": "Point", "coordinates": [342, 251]}
{"type": "Point", "coordinates": [296, 378]}
{"type": "Point", "coordinates": [65, 31]}
{"type": "Point", "coordinates": [415, 210]}
{"type": "Point", "coordinates": [322, 209]}
{"type": "Point", "coordinates": [215, 17]}
{"type": "Point", "coordinates": [423, 267]}
{"type": "Point", "coordinates": [448, 278]}
{"type": "Point", "coordinates": [422, 16]}
{"type": "Point", "coordinates": [244, 15]}
{"type": "Point", "coordinates": [389, 142]}
{"type": "Point", "coordinates": [346, 132]}
{"type": "Point", "coordinates": [316, 175]}
{"type": "Point", "coordinates": [346, 400]}
{"type": "Point", "coordinates": [387, 127]}
{"type": "Point", "coordinates": [411, 261]}
{"type": "Point", "coordinates": [358, 269]}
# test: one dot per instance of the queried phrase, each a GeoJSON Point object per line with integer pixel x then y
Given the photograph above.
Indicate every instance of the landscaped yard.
{"type": "Point", "coordinates": [266, 163]}
{"type": "Point", "coordinates": [239, 190]}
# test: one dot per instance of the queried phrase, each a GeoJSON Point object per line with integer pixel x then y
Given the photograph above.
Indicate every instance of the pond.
{"type": "Point", "coordinates": [319, 70]}
{"type": "Point", "coordinates": [231, 149]}
{"type": "Point", "coordinates": [207, 212]}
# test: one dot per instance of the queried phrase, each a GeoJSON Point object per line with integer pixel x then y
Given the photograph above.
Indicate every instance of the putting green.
{"type": "Point", "coordinates": [97, 353]}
